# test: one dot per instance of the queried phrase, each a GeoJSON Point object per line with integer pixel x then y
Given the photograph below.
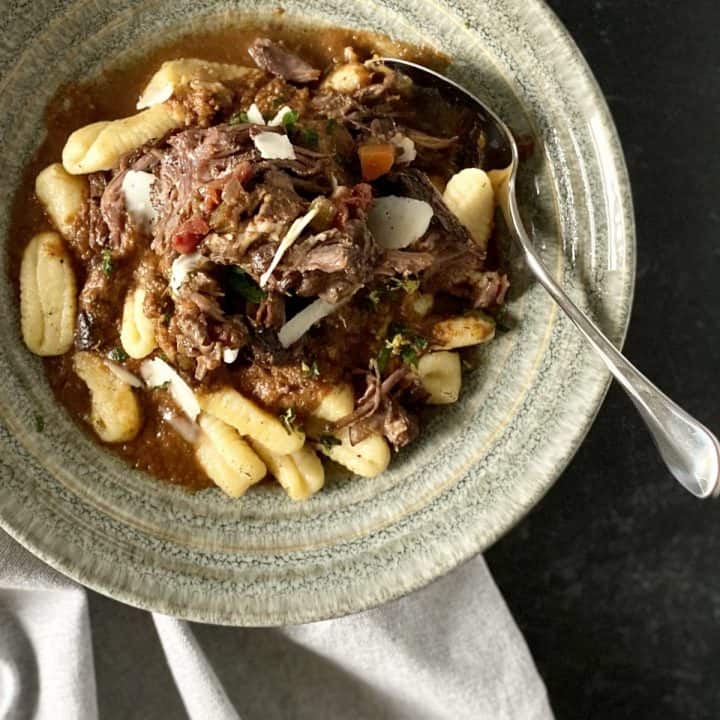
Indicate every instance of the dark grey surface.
{"type": "Point", "coordinates": [615, 577]}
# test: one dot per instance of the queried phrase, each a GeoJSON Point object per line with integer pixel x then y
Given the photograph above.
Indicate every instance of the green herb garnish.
{"type": "Point", "coordinates": [39, 423]}
{"type": "Point", "coordinates": [278, 101]}
{"type": "Point", "coordinates": [310, 137]}
{"type": "Point", "coordinates": [288, 419]}
{"type": "Point", "coordinates": [331, 125]}
{"type": "Point", "coordinates": [238, 118]}
{"type": "Point", "coordinates": [117, 354]}
{"type": "Point", "coordinates": [240, 283]}
{"type": "Point", "coordinates": [403, 343]}
{"type": "Point", "coordinates": [409, 284]}
{"type": "Point", "coordinates": [167, 317]}
{"type": "Point", "coordinates": [107, 262]}
{"type": "Point", "coordinates": [311, 371]}
{"type": "Point", "coordinates": [375, 297]}
{"type": "Point", "coordinates": [290, 118]}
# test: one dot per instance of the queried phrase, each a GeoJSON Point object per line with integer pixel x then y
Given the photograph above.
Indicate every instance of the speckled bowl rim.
{"type": "Point", "coordinates": [615, 172]}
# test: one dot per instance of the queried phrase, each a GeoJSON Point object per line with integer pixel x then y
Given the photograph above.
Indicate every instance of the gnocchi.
{"type": "Point", "coordinates": [440, 374]}
{"type": "Point", "coordinates": [368, 458]}
{"type": "Point", "coordinates": [175, 74]}
{"type": "Point", "coordinates": [470, 197]}
{"type": "Point", "coordinates": [226, 458]}
{"type": "Point", "coordinates": [137, 331]}
{"type": "Point", "coordinates": [301, 473]}
{"type": "Point", "coordinates": [62, 195]}
{"type": "Point", "coordinates": [348, 78]}
{"type": "Point", "coordinates": [474, 328]}
{"type": "Point", "coordinates": [99, 146]}
{"type": "Point", "coordinates": [251, 420]}
{"type": "Point", "coordinates": [114, 408]}
{"type": "Point", "coordinates": [47, 296]}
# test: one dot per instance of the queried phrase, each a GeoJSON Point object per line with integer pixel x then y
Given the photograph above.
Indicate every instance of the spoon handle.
{"type": "Point", "coordinates": [689, 449]}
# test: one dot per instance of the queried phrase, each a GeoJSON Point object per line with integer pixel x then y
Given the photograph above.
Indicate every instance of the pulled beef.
{"type": "Point", "coordinates": [377, 411]}
{"type": "Point", "coordinates": [458, 263]}
{"type": "Point", "coordinates": [200, 328]}
{"type": "Point", "coordinates": [277, 60]}
{"type": "Point", "coordinates": [404, 262]}
{"type": "Point", "coordinates": [271, 311]}
{"type": "Point", "coordinates": [90, 232]}
{"type": "Point", "coordinates": [332, 265]}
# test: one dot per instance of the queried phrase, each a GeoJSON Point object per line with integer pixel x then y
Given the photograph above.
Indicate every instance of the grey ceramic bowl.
{"type": "Point", "coordinates": [481, 464]}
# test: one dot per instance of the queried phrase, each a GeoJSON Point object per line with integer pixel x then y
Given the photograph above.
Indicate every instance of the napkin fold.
{"type": "Point", "coordinates": [448, 651]}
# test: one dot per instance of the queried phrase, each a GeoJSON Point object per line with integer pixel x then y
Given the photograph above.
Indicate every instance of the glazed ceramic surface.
{"type": "Point", "coordinates": [480, 464]}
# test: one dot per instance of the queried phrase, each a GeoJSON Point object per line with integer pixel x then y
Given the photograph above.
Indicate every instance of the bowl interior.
{"type": "Point", "coordinates": [479, 465]}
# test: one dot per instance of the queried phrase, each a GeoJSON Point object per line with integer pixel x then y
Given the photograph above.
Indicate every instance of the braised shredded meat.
{"type": "Point", "coordinates": [253, 222]}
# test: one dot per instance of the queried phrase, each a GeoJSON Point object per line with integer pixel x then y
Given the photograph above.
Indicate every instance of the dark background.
{"type": "Point", "coordinates": [615, 577]}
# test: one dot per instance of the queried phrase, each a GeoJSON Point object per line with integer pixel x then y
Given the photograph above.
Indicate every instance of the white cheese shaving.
{"type": "Point", "coordinates": [406, 147]}
{"type": "Point", "coordinates": [136, 189]}
{"type": "Point", "coordinates": [155, 94]}
{"type": "Point", "coordinates": [230, 355]}
{"type": "Point", "coordinates": [125, 375]}
{"type": "Point", "coordinates": [397, 222]}
{"type": "Point", "coordinates": [182, 266]}
{"type": "Point", "coordinates": [277, 121]}
{"type": "Point", "coordinates": [274, 146]}
{"type": "Point", "coordinates": [156, 372]}
{"type": "Point", "coordinates": [254, 115]}
{"type": "Point", "coordinates": [299, 324]}
{"type": "Point", "coordinates": [291, 236]}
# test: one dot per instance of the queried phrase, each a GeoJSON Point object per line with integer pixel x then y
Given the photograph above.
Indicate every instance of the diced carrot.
{"type": "Point", "coordinates": [376, 159]}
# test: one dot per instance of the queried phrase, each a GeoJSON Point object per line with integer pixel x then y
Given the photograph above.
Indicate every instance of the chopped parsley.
{"type": "Point", "coordinates": [117, 354]}
{"type": "Point", "coordinates": [39, 423]}
{"type": "Point", "coordinates": [106, 261]}
{"type": "Point", "coordinates": [237, 281]}
{"type": "Point", "coordinates": [167, 317]}
{"type": "Point", "coordinates": [238, 118]}
{"type": "Point", "coordinates": [311, 371]}
{"type": "Point", "coordinates": [375, 297]}
{"type": "Point", "coordinates": [403, 343]}
{"type": "Point", "coordinates": [329, 441]}
{"type": "Point", "coordinates": [290, 118]}
{"type": "Point", "coordinates": [331, 125]}
{"type": "Point", "coordinates": [288, 419]}
{"type": "Point", "coordinates": [409, 284]}
{"type": "Point", "coordinates": [278, 101]}
{"type": "Point", "coordinates": [310, 137]}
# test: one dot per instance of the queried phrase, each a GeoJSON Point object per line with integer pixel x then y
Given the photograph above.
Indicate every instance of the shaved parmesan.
{"type": "Point", "coordinates": [230, 355]}
{"type": "Point", "coordinates": [277, 121]}
{"type": "Point", "coordinates": [406, 147]}
{"type": "Point", "coordinates": [157, 372]}
{"type": "Point", "coordinates": [136, 189]}
{"type": "Point", "coordinates": [182, 266]}
{"type": "Point", "coordinates": [291, 236]}
{"type": "Point", "coordinates": [125, 375]}
{"type": "Point", "coordinates": [274, 146]}
{"type": "Point", "coordinates": [299, 324]}
{"type": "Point", "coordinates": [154, 94]}
{"type": "Point", "coordinates": [397, 222]}
{"type": "Point", "coordinates": [255, 116]}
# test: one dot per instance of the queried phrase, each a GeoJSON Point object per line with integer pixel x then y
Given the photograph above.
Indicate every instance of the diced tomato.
{"type": "Point", "coordinates": [189, 235]}
{"type": "Point", "coordinates": [376, 159]}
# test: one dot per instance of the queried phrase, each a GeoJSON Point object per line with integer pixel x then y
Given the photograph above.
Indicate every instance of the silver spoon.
{"type": "Point", "coordinates": [689, 449]}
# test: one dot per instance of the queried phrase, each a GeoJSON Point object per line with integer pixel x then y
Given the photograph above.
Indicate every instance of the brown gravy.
{"type": "Point", "coordinates": [157, 449]}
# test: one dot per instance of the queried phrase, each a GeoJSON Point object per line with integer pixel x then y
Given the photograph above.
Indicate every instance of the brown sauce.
{"type": "Point", "coordinates": [158, 449]}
